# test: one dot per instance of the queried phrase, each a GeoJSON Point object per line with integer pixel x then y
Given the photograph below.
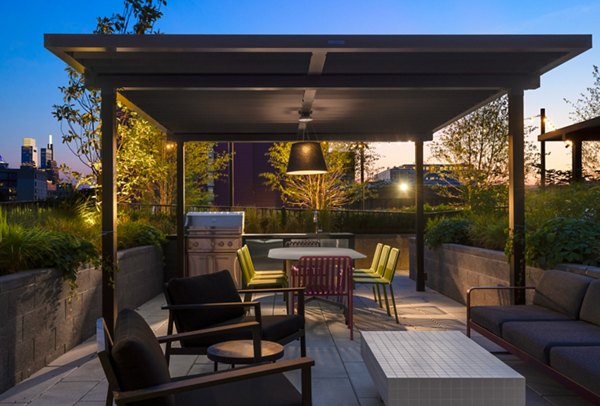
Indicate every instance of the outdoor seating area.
{"type": "Point", "coordinates": [339, 376]}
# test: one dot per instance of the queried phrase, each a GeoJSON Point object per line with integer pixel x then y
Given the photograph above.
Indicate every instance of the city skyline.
{"type": "Point", "coordinates": [26, 112]}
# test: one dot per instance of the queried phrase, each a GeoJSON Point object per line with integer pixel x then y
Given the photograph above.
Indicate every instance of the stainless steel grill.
{"type": "Point", "coordinates": [212, 239]}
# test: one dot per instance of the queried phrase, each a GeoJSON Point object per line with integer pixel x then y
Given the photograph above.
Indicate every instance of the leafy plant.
{"type": "Point", "coordinates": [135, 234]}
{"type": "Point", "coordinates": [564, 240]}
{"type": "Point", "coordinates": [443, 231]}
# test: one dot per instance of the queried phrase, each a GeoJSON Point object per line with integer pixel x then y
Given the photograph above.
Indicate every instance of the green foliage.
{"type": "Point", "coordinates": [444, 231]}
{"type": "Point", "coordinates": [489, 230]}
{"type": "Point", "coordinates": [564, 240]}
{"type": "Point", "coordinates": [24, 248]}
{"type": "Point", "coordinates": [133, 234]}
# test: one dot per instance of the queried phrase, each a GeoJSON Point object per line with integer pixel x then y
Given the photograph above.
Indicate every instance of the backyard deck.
{"type": "Point", "coordinates": [339, 376]}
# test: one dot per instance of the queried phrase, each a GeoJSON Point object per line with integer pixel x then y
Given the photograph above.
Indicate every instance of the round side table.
{"type": "Point", "coordinates": [242, 352]}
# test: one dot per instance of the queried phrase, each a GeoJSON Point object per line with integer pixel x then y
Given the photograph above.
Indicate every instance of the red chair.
{"type": "Point", "coordinates": [324, 276]}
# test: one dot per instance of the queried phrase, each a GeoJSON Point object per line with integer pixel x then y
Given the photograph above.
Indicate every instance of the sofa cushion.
{"type": "Point", "coordinates": [561, 291]}
{"type": "Point", "coordinates": [492, 317]}
{"type": "Point", "coordinates": [216, 287]}
{"type": "Point", "coordinates": [590, 308]}
{"type": "Point", "coordinates": [538, 337]}
{"type": "Point", "coordinates": [581, 364]}
{"type": "Point", "coordinates": [138, 359]}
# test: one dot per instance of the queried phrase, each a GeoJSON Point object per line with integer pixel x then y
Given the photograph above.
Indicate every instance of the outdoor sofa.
{"type": "Point", "coordinates": [559, 331]}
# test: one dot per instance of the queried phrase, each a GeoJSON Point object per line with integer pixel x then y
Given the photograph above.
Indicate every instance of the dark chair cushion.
{"type": "Point", "coordinates": [582, 364]}
{"type": "Point", "coordinates": [493, 317]}
{"type": "Point", "coordinates": [274, 328]}
{"type": "Point", "coordinates": [561, 291]}
{"type": "Point", "coordinates": [138, 358]}
{"type": "Point", "coordinates": [216, 287]}
{"type": "Point", "coordinates": [537, 337]}
{"type": "Point", "coordinates": [590, 308]}
{"type": "Point", "coordinates": [272, 390]}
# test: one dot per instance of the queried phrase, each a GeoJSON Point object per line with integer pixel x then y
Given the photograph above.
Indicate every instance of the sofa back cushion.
{"type": "Point", "coordinates": [561, 291]}
{"type": "Point", "coordinates": [590, 308]}
{"type": "Point", "coordinates": [138, 359]}
{"type": "Point", "coordinates": [217, 287]}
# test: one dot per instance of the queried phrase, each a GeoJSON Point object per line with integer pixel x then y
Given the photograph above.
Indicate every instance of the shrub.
{"type": "Point", "coordinates": [136, 233]}
{"type": "Point", "coordinates": [489, 230]}
{"type": "Point", "coordinates": [443, 231]}
{"type": "Point", "coordinates": [24, 248]}
{"type": "Point", "coordinates": [564, 240]}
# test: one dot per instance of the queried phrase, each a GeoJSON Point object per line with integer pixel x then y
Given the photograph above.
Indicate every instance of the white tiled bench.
{"type": "Point", "coordinates": [438, 368]}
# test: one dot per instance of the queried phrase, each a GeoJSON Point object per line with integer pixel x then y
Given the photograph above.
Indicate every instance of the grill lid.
{"type": "Point", "coordinates": [215, 220]}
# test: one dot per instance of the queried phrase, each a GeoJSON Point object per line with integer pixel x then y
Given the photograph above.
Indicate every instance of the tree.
{"type": "Point", "coordinates": [475, 149]}
{"type": "Point", "coordinates": [145, 161]}
{"type": "Point", "coordinates": [586, 108]}
{"type": "Point", "coordinates": [334, 189]}
{"type": "Point", "coordinates": [365, 160]}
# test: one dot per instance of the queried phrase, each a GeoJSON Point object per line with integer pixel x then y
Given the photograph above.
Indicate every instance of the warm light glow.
{"type": "Point", "coordinates": [170, 145]}
{"type": "Point", "coordinates": [404, 187]}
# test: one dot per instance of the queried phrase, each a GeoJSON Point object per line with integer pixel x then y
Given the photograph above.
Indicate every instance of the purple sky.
{"type": "Point", "coordinates": [30, 75]}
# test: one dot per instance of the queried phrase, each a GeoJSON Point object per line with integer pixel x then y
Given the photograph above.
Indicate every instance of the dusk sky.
{"type": "Point", "coordinates": [30, 75]}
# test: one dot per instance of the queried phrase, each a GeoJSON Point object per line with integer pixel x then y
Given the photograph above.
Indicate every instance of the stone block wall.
{"type": "Point", "coordinates": [41, 318]}
{"type": "Point", "coordinates": [452, 269]}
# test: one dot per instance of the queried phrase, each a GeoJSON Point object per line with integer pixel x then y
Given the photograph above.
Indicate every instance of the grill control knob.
{"type": "Point", "coordinates": [229, 244]}
{"type": "Point", "coordinates": [221, 243]}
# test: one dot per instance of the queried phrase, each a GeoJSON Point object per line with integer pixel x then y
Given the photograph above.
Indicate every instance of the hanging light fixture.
{"type": "Point", "coordinates": [306, 157]}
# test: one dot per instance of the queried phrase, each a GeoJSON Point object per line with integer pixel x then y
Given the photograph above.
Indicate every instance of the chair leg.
{"type": "Point", "coordinates": [248, 297]}
{"type": "Point", "coordinates": [109, 397]}
{"type": "Point", "coordinates": [379, 296]}
{"type": "Point", "coordinates": [387, 305]}
{"type": "Point", "coordinates": [394, 303]}
{"type": "Point", "coordinates": [374, 295]}
{"type": "Point", "coordinates": [303, 345]}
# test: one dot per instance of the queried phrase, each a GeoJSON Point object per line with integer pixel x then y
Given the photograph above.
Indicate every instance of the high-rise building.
{"type": "Point", "coordinates": [29, 153]}
{"type": "Point", "coordinates": [48, 163]}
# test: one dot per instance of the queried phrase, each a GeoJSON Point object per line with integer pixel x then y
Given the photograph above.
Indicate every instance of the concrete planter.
{"type": "Point", "coordinates": [41, 318]}
{"type": "Point", "coordinates": [452, 269]}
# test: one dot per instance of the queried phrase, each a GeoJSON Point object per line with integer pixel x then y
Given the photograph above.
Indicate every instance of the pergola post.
{"type": "Point", "coordinates": [516, 191]}
{"type": "Point", "coordinates": [180, 209]}
{"type": "Point", "coordinates": [109, 205]}
{"type": "Point", "coordinates": [543, 149]}
{"type": "Point", "coordinates": [419, 217]}
{"type": "Point", "coordinates": [576, 161]}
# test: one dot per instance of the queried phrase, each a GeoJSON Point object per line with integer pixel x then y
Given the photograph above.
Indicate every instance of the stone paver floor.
{"type": "Point", "coordinates": [339, 376]}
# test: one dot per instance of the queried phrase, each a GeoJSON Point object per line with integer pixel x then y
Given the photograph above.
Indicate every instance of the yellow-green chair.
{"type": "Point", "coordinates": [377, 273]}
{"type": "Point", "coordinates": [253, 273]}
{"type": "Point", "coordinates": [257, 281]}
{"type": "Point", "coordinates": [385, 280]}
{"type": "Point", "coordinates": [374, 262]}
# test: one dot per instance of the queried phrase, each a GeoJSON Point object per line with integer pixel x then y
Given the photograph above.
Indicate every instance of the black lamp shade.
{"type": "Point", "coordinates": [306, 158]}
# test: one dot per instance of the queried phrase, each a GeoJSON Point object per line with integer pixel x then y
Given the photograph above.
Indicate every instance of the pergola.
{"type": "Point", "coordinates": [576, 134]}
{"type": "Point", "coordinates": [250, 88]}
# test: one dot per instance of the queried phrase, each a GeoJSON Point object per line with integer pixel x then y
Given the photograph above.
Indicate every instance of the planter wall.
{"type": "Point", "coordinates": [41, 318]}
{"type": "Point", "coordinates": [452, 269]}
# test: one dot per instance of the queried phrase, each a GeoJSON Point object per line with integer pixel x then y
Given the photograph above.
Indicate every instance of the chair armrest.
{"type": "Point", "coordinates": [231, 375]}
{"type": "Point", "coordinates": [249, 325]}
{"type": "Point", "coordinates": [208, 306]}
{"type": "Point", "coordinates": [475, 288]}
{"type": "Point", "coordinates": [298, 289]}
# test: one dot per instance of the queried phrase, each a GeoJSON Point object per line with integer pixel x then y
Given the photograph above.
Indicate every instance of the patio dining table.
{"type": "Point", "coordinates": [294, 253]}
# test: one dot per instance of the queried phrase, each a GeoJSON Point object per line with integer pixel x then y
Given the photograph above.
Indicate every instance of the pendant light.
{"type": "Point", "coordinates": [306, 157]}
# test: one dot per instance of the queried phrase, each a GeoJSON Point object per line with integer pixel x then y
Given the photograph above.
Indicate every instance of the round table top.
{"type": "Point", "coordinates": [294, 253]}
{"type": "Point", "coordinates": [242, 352]}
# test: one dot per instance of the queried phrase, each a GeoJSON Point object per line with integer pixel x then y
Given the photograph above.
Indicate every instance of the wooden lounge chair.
{"type": "Point", "coordinates": [211, 300]}
{"type": "Point", "coordinates": [137, 371]}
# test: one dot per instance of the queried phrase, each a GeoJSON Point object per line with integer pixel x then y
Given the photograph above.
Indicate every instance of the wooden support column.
{"type": "Point", "coordinates": [576, 161]}
{"type": "Point", "coordinates": [109, 205]}
{"type": "Point", "coordinates": [543, 149]}
{"type": "Point", "coordinates": [419, 218]}
{"type": "Point", "coordinates": [180, 209]}
{"type": "Point", "coordinates": [516, 191]}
